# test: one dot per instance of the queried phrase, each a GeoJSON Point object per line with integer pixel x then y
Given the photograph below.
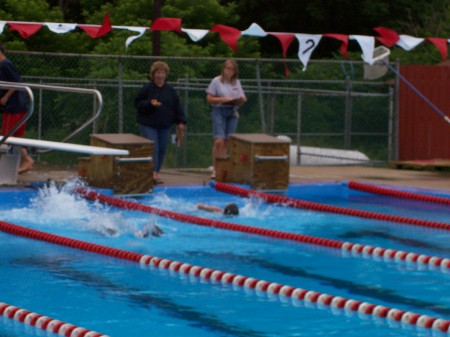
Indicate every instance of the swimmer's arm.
{"type": "Point", "coordinates": [209, 208]}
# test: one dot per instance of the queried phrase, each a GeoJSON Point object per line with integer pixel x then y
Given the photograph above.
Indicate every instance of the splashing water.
{"type": "Point", "coordinates": [59, 206]}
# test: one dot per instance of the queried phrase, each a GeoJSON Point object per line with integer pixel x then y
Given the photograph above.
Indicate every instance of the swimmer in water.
{"type": "Point", "coordinates": [148, 230]}
{"type": "Point", "coordinates": [229, 210]}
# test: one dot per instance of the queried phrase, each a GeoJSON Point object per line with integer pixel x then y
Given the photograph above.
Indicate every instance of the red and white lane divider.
{"type": "Point", "coordinates": [369, 188]}
{"type": "Point", "coordinates": [355, 248]}
{"type": "Point", "coordinates": [294, 293]}
{"type": "Point", "coordinates": [296, 203]}
{"type": "Point", "coordinates": [433, 262]}
{"type": "Point", "coordinates": [45, 323]}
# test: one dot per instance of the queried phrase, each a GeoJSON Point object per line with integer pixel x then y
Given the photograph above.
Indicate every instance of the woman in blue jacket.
{"type": "Point", "coordinates": [158, 108]}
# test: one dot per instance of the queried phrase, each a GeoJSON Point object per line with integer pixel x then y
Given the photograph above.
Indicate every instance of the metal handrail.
{"type": "Point", "coordinates": [27, 86]}
{"type": "Point", "coordinates": [11, 85]}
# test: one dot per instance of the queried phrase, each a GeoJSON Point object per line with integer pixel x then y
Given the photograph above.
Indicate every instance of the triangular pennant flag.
{"type": "Point", "coordinates": [167, 24]}
{"type": "Point", "coordinates": [228, 34]}
{"type": "Point", "coordinates": [254, 30]}
{"type": "Point", "coordinates": [408, 42]}
{"type": "Point", "coordinates": [139, 30]}
{"type": "Point", "coordinates": [60, 28]}
{"type": "Point", "coordinates": [25, 29]}
{"type": "Point", "coordinates": [2, 26]}
{"type": "Point", "coordinates": [106, 26]}
{"type": "Point", "coordinates": [441, 45]}
{"type": "Point", "coordinates": [344, 44]}
{"type": "Point", "coordinates": [367, 44]}
{"type": "Point", "coordinates": [308, 42]}
{"type": "Point", "coordinates": [389, 37]}
{"type": "Point", "coordinates": [195, 34]}
{"type": "Point", "coordinates": [96, 31]}
{"type": "Point", "coordinates": [285, 40]}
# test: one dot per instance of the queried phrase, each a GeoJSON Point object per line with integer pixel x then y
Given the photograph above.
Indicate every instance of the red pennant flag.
{"type": "Point", "coordinates": [229, 35]}
{"type": "Point", "coordinates": [106, 26]}
{"type": "Point", "coordinates": [285, 40]}
{"type": "Point", "coordinates": [25, 29]}
{"type": "Point", "coordinates": [96, 31]}
{"type": "Point", "coordinates": [343, 39]}
{"type": "Point", "coordinates": [167, 24]}
{"type": "Point", "coordinates": [441, 45]}
{"type": "Point", "coordinates": [389, 37]}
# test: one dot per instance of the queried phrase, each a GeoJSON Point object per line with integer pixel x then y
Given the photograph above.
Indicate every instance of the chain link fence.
{"type": "Point", "coordinates": [330, 111]}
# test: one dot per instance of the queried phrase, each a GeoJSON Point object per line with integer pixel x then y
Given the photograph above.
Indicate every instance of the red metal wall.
{"type": "Point", "coordinates": [423, 133]}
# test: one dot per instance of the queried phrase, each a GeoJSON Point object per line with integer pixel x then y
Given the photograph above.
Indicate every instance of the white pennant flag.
{"type": "Point", "coordinates": [60, 28]}
{"type": "Point", "coordinates": [140, 30]}
{"type": "Point", "coordinates": [2, 26]}
{"type": "Point", "coordinates": [409, 42]}
{"type": "Point", "coordinates": [254, 30]}
{"type": "Point", "coordinates": [367, 44]}
{"type": "Point", "coordinates": [195, 34]}
{"type": "Point", "coordinates": [308, 42]}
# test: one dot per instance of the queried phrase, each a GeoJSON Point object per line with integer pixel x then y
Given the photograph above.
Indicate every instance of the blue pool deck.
{"type": "Point", "coordinates": [432, 179]}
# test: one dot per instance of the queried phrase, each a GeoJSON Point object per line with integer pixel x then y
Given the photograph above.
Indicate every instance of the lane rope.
{"type": "Point", "coordinates": [296, 203]}
{"type": "Point", "coordinates": [213, 275]}
{"type": "Point", "coordinates": [45, 323]}
{"type": "Point", "coordinates": [356, 249]}
{"type": "Point", "coordinates": [374, 189]}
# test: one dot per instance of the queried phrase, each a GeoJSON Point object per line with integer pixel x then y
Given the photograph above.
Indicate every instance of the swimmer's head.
{"type": "Point", "coordinates": [231, 209]}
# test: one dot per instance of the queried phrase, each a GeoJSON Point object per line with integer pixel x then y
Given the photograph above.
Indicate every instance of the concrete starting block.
{"type": "Point", "coordinates": [259, 160]}
{"type": "Point", "coordinates": [127, 175]}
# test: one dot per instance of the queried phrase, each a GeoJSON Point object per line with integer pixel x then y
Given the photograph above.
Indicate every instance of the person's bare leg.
{"type": "Point", "coordinates": [26, 162]}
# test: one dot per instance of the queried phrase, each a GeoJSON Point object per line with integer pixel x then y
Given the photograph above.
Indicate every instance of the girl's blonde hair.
{"type": "Point", "coordinates": [234, 77]}
{"type": "Point", "coordinates": [158, 65]}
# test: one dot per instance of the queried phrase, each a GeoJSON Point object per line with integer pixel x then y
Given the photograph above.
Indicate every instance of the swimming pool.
{"type": "Point", "coordinates": [118, 297]}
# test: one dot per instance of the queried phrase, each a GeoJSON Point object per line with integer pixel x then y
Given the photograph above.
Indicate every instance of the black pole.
{"type": "Point", "coordinates": [156, 47]}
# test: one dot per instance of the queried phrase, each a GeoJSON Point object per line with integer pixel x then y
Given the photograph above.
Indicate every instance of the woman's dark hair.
{"type": "Point", "coordinates": [231, 209]}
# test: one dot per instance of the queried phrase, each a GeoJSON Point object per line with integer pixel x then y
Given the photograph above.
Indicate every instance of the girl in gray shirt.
{"type": "Point", "coordinates": [226, 95]}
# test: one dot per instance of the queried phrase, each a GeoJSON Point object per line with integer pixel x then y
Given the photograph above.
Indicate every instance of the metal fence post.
{"type": "Point", "coordinates": [391, 135]}
{"type": "Point", "coordinates": [396, 110]}
{"type": "Point", "coordinates": [40, 113]}
{"type": "Point", "coordinates": [186, 111]}
{"type": "Point", "coordinates": [260, 97]}
{"type": "Point", "coordinates": [348, 114]}
{"type": "Point", "coordinates": [299, 126]}
{"type": "Point", "coordinates": [120, 94]}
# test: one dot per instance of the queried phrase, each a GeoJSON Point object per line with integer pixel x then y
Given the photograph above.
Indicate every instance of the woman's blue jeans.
{"type": "Point", "coordinates": [160, 136]}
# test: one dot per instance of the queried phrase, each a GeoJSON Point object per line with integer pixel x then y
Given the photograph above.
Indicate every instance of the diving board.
{"type": "Point", "coordinates": [67, 147]}
{"type": "Point", "coordinates": [10, 154]}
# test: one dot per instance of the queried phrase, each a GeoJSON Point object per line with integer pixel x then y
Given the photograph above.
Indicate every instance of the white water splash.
{"type": "Point", "coordinates": [60, 206]}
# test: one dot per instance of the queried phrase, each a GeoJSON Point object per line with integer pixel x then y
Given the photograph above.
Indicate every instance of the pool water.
{"type": "Point", "coordinates": [122, 298]}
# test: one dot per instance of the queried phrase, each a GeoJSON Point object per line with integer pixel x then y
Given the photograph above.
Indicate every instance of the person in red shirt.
{"type": "Point", "coordinates": [13, 103]}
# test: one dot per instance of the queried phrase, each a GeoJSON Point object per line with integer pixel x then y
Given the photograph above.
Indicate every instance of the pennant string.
{"type": "Point", "coordinates": [230, 35]}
